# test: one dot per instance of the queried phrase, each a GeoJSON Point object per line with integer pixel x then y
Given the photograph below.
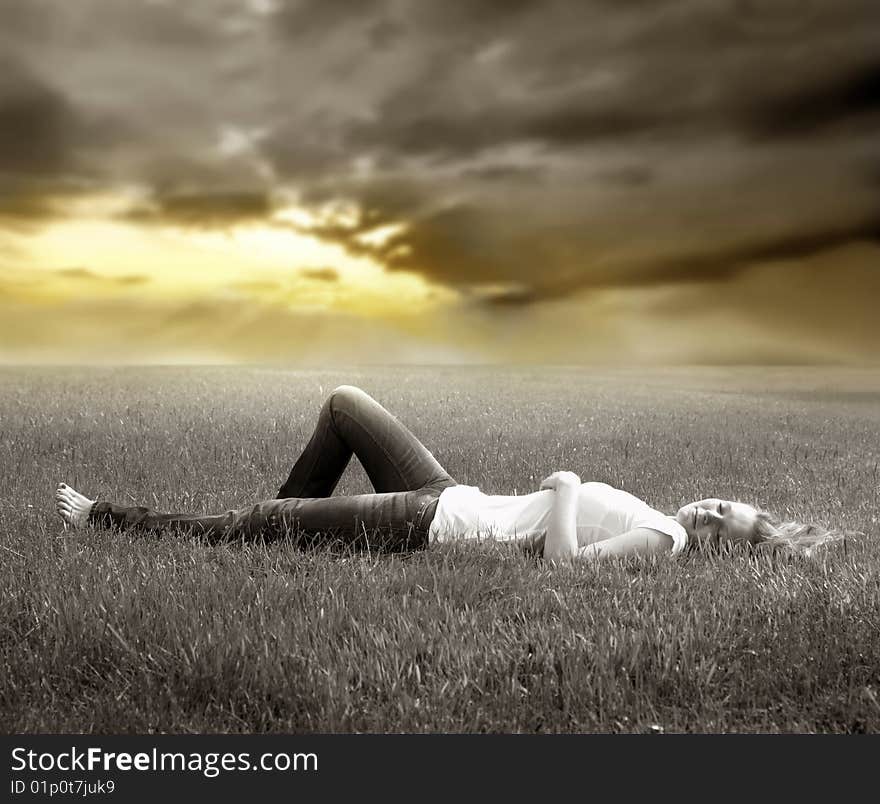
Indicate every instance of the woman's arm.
{"type": "Point", "coordinates": [636, 542]}
{"type": "Point", "coordinates": [560, 543]}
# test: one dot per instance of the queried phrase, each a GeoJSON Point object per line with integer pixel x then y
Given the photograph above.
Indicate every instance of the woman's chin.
{"type": "Point", "coordinates": [684, 518]}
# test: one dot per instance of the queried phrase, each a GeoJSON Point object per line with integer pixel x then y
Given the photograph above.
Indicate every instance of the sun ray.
{"type": "Point", "coordinates": [270, 260]}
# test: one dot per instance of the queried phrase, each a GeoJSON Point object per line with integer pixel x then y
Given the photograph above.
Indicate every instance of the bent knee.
{"type": "Point", "coordinates": [344, 393]}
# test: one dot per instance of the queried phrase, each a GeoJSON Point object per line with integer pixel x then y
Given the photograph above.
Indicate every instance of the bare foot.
{"type": "Point", "coordinates": [72, 506]}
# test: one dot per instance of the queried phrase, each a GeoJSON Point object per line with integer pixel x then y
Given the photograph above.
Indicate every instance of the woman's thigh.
{"type": "Point", "coordinates": [394, 458]}
{"type": "Point", "coordinates": [351, 422]}
{"type": "Point", "coordinates": [390, 521]}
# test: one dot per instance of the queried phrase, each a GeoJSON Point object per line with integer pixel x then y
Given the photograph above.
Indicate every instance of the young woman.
{"type": "Point", "coordinates": [416, 503]}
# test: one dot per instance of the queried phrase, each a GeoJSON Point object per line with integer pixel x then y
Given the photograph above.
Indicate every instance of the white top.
{"type": "Point", "coordinates": [464, 512]}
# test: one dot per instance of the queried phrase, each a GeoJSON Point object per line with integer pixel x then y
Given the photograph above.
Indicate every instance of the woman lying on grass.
{"type": "Point", "coordinates": [417, 503]}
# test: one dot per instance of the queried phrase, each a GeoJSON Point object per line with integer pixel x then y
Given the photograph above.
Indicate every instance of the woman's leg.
{"type": "Point", "coordinates": [407, 478]}
{"type": "Point", "coordinates": [351, 422]}
{"type": "Point", "coordinates": [392, 521]}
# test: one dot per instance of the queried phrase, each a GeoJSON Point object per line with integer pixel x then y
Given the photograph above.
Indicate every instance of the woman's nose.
{"type": "Point", "coordinates": [707, 516]}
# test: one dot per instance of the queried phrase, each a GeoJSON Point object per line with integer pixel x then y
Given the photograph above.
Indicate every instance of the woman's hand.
{"type": "Point", "coordinates": [558, 479]}
{"type": "Point", "coordinates": [561, 543]}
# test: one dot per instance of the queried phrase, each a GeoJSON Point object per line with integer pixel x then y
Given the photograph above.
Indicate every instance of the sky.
{"type": "Point", "coordinates": [554, 181]}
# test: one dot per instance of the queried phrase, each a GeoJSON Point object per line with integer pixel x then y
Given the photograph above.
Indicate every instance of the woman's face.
{"type": "Point", "coordinates": [715, 521]}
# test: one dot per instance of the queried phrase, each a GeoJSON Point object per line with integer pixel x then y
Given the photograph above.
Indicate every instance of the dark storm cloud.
{"type": "Point", "coordinates": [99, 94]}
{"type": "Point", "coordinates": [503, 172]}
{"type": "Point", "coordinates": [459, 80]}
{"type": "Point", "coordinates": [869, 171]}
{"type": "Point", "coordinates": [813, 108]}
{"type": "Point", "coordinates": [694, 71]}
{"type": "Point", "coordinates": [211, 209]}
{"type": "Point", "coordinates": [703, 267]}
{"type": "Point", "coordinates": [473, 15]}
{"type": "Point", "coordinates": [634, 175]}
{"type": "Point", "coordinates": [37, 124]}
{"type": "Point", "coordinates": [451, 135]}
{"type": "Point", "coordinates": [529, 149]}
{"type": "Point", "coordinates": [534, 254]}
{"type": "Point", "coordinates": [30, 21]}
{"type": "Point", "coordinates": [572, 79]}
{"type": "Point", "coordinates": [300, 19]}
{"type": "Point", "coordinates": [304, 157]}
{"type": "Point", "coordinates": [792, 247]}
{"type": "Point", "coordinates": [383, 21]}
{"type": "Point", "coordinates": [24, 200]}
{"type": "Point", "coordinates": [451, 245]}
{"type": "Point", "coordinates": [42, 22]}
{"type": "Point", "coordinates": [47, 145]}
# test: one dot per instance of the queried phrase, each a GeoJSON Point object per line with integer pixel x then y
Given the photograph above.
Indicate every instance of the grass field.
{"type": "Point", "coordinates": [103, 632]}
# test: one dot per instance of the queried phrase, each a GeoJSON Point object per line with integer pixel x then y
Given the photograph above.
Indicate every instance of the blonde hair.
{"type": "Point", "coordinates": [797, 537]}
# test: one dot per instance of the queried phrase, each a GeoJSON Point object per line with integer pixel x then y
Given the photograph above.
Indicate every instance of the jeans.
{"type": "Point", "coordinates": [407, 479]}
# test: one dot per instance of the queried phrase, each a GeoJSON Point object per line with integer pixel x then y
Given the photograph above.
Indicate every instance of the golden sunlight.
{"type": "Point", "coordinates": [270, 262]}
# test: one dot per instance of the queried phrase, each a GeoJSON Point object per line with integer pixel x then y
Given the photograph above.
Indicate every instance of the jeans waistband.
{"type": "Point", "coordinates": [427, 509]}
{"type": "Point", "coordinates": [426, 514]}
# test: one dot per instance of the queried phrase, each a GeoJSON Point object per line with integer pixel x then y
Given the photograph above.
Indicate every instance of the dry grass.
{"type": "Point", "coordinates": [108, 633]}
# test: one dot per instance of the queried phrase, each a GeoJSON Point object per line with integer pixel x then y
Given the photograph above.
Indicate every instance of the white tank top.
{"type": "Point", "coordinates": [464, 512]}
